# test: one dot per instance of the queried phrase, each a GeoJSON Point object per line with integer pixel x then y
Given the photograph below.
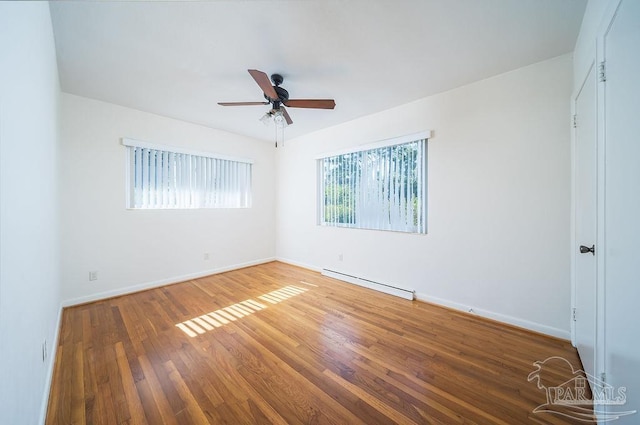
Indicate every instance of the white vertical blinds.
{"type": "Point", "coordinates": [163, 179]}
{"type": "Point", "coordinates": [382, 188]}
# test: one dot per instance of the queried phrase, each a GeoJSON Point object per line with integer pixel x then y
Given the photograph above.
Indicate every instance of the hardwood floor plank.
{"type": "Point", "coordinates": [160, 401]}
{"type": "Point", "coordinates": [310, 368]}
{"type": "Point", "coordinates": [128, 384]}
{"type": "Point", "coordinates": [77, 405]}
{"type": "Point", "coordinates": [272, 358]}
{"type": "Point", "coordinates": [374, 402]}
{"type": "Point", "coordinates": [427, 405]}
{"type": "Point", "coordinates": [54, 413]}
{"type": "Point", "coordinates": [197, 416]}
{"type": "Point", "coordinates": [90, 386]}
{"type": "Point", "coordinates": [245, 391]}
{"type": "Point", "coordinates": [278, 344]}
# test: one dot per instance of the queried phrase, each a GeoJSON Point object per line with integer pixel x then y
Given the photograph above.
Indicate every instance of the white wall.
{"type": "Point", "coordinates": [29, 274]}
{"type": "Point", "coordinates": [498, 201]}
{"type": "Point", "coordinates": [133, 249]}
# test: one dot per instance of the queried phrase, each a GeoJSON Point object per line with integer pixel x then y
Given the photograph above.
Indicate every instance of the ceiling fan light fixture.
{"type": "Point", "coordinates": [266, 118]}
{"type": "Point", "coordinates": [276, 116]}
{"type": "Point", "coordinates": [279, 119]}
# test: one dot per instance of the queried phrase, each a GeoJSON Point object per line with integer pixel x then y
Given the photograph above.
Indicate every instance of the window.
{"type": "Point", "coordinates": [162, 178]}
{"type": "Point", "coordinates": [382, 188]}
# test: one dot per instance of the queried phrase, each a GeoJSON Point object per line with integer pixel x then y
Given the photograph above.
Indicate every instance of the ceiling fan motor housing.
{"type": "Point", "coordinates": [283, 95]}
{"type": "Point", "coordinates": [277, 79]}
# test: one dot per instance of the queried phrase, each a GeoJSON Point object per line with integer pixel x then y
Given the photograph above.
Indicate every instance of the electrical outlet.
{"type": "Point", "coordinates": [206, 256]}
{"type": "Point", "coordinates": [93, 275]}
{"type": "Point", "coordinates": [44, 351]}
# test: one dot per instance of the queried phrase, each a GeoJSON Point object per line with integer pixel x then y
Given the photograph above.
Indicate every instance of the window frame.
{"type": "Point", "coordinates": [424, 136]}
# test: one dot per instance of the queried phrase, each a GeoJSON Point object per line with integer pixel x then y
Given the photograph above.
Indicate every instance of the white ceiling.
{"type": "Point", "coordinates": [178, 59]}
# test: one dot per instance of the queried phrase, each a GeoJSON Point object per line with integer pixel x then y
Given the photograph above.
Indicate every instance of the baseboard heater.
{"type": "Point", "coordinates": [382, 287]}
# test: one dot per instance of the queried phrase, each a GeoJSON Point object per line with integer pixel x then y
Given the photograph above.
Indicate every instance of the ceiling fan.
{"type": "Point", "coordinates": [278, 97]}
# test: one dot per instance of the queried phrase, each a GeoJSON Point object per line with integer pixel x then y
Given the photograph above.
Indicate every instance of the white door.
{"type": "Point", "coordinates": [585, 222]}
{"type": "Point", "coordinates": [622, 205]}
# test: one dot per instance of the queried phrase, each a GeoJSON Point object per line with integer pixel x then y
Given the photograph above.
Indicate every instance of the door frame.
{"type": "Point", "coordinates": [590, 73]}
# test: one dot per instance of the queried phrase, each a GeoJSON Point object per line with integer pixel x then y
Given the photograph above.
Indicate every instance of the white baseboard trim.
{"type": "Point", "coordinates": [149, 285]}
{"type": "Point", "coordinates": [53, 352]}
{"type": "Point", "coordinates": [521, 323]}
{"type": "Point", "coordinates": [299, 264]}
{"type": "Point", "coordinates": [407, 294]}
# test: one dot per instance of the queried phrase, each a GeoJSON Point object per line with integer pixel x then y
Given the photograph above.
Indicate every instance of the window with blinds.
{"type": "Point", "coordinates": [383, 188]}
{"type": "Point", "coordinates": [167, 178]}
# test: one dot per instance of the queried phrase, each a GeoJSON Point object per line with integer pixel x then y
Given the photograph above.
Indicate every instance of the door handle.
{"type": "Point", "coordinates": [586, 249]}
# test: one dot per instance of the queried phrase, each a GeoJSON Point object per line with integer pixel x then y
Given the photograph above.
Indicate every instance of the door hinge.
{"type": "Point", "coordinates": [574, 314]}
{"type": "Point", "coordinates": [575, 121]}
{"type": "Point", "coordinates": [602, 74]}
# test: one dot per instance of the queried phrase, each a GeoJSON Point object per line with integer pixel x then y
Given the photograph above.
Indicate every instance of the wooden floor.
{"type": "Point", "coordinates": [277, 344]}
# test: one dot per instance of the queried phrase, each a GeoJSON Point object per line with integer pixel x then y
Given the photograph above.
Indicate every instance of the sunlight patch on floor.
{"type": "Point", "coordinates": [215, 319]}
{"type": "Point", "coordinates": [282, 294]}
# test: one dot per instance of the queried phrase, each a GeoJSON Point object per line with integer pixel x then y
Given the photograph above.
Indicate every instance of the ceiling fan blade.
{"type": "Point", "coordinates": [286, 116]}
{"type": "Point", "coordinates": [311, 103]}
{"type": "Point", "coordinates": [265, 84]}
{"type": "Point", "coordinates": [242, 103]}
